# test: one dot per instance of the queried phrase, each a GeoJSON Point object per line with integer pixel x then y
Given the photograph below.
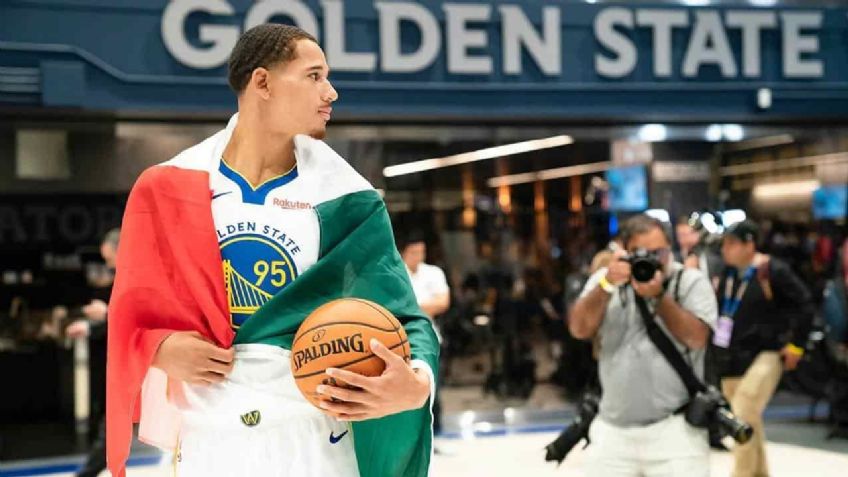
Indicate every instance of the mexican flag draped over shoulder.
{"type": "Point", "coordinates": [170, 278]}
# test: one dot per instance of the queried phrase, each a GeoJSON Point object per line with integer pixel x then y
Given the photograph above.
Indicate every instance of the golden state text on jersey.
{"type": "Point", "coordinates": [264, 245]}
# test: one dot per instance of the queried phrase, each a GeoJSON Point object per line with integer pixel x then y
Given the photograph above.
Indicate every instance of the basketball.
{"type": "Point", "coordinates": [338, 335]}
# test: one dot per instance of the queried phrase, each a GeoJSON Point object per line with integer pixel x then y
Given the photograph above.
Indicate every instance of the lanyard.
{"type": "Point", "coordinates": [730, 304]}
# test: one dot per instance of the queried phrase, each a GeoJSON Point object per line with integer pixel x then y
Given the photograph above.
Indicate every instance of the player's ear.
{"type": "Point", "coordinates": [260, 82]}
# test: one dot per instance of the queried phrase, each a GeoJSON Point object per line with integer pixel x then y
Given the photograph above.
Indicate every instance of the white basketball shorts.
{"type": "Point", "coordinates": [257, 423]}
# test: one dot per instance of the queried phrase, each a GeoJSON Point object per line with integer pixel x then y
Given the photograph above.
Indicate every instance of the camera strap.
{"type": "Point", "coordinates": [667, 347]}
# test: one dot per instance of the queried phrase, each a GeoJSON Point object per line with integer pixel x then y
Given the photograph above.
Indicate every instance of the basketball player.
{"type": "Point", "coordinates": [292, 226]}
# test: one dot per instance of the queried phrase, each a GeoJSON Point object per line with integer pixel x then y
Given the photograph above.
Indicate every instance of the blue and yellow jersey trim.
{"type": "Point", "coordinates": [256, 195]}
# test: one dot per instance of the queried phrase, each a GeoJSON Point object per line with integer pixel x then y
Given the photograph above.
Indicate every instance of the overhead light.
{"type": "Point", "coordinates": [785, 189]}
{"type": "Point", "coordinates": [714, 133]}
{"type": "Point", "coordinates": [696, 3]}
{"type": "Point", "coordinates": [660, 214]}
{"type": "Point", "coordinates": [764, 98]}
{"type": "Point", "coordinates": [482, 154]}
{"type": "Point", "coordinates": [469, 217]}
{"type": "Point", "coordinates": [548, 174]}
{"type": "Point", "coordinates": [726, 132]}
{"type": "Point", "coordinates": [763, 3]}
{"type": "Point", "coordinates": [652, 133]}
{"type": "Point", "coordinates": [733, 132]}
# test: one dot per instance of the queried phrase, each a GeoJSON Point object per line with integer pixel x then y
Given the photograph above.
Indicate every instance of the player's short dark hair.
{"type": "Point", "coordinates": [262, 46]}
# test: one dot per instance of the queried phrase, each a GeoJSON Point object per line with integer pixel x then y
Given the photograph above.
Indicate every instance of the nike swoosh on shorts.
{"type": "Point", "coordinates": [334, 439]}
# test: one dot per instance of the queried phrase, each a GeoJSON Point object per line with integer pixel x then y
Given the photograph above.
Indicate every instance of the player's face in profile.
{"type": "Point", "coordinates": [301, 95]}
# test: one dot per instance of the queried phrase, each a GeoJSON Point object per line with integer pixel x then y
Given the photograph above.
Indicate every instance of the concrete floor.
{"type": "Point", "coordinates": [522, 455]}
{"type": "Point", "coordinates": [794, 449]}
{"type": "Point", "coordinates": [490, 437]}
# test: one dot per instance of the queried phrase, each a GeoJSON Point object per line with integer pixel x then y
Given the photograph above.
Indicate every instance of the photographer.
{"type": "Point", "coordinates": [640, 429]}
{"type": "Point", "coordinates": [766, 317]}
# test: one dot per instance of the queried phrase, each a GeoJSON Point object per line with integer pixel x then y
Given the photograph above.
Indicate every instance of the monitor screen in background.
{"type": "Point", "coordinates": [830, 202]}
{"type": "Point", "coordinates": [628, 189]}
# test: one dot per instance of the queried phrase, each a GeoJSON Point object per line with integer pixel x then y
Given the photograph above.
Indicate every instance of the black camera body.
{"type": "Point", "coordinates": [577, 430]}
{"type": "Point", "coordinates": [710, 408]}
{"type": "Point", "coordinates": [644, 265]}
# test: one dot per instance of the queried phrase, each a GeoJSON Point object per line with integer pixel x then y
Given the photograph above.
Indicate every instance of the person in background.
{"type": "Point", "coordinates": [433, 294]}
{"type": "Point", "coordinates": [693, 253]}
{"type": "Point", "coordinates": [93, 326]}
{"type": "Point", "coordinates": [94, 323]}
{"type": "Point", "coordinates": [687, 240]}
{"type": "Point", "coordinates": [766, 314]}
{"type": "Point", "coordinates": [428, 281]}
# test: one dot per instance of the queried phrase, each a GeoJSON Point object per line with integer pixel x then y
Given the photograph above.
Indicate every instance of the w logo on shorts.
{"type": "Point", "coordinates": [251, 419]}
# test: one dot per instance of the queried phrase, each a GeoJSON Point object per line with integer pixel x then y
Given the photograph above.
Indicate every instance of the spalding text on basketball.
{"type": "Point", "coordinates": [344, 344]}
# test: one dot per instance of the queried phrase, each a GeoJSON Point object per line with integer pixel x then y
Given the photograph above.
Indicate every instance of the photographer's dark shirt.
{"type": "Point", "coordinates": [762, 324]}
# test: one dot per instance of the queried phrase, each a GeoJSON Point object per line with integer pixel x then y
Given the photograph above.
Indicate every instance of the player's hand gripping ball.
{"type": "Point", "coordinates": [338, 335]}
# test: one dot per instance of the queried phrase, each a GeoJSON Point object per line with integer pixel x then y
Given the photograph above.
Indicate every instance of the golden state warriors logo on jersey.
{"type": "Point", "coordinates": [256, 267]}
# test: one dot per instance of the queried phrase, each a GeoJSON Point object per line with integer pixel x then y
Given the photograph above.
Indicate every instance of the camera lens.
{"type": "Point", "coordinates": [644, 265]}
{"type": "Point", "coordinates": [644, 270]}
{"type": "Point", "coordinates": [740, 431]}
{"type": "Point", "coordinates": [557, 450]}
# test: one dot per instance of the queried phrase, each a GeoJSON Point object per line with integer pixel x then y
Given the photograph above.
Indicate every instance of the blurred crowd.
{"type": "Point", "coordinates": [505, 305]}
{"type": "Point", "coordinates": [762, 308]}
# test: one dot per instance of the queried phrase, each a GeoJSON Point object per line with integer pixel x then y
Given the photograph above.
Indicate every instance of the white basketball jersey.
{"type": "Point", "coordinates": [256, 422]}
{"type": "Point", "coordinates": [268, 235]}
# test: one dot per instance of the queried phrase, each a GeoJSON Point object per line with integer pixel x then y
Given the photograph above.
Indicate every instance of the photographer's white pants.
{"type": "Point", "coordinates": [669, 448]}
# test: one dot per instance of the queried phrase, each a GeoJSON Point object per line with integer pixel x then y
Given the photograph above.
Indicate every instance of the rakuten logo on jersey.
{"type": "Point", "coordinates": [291, 204]}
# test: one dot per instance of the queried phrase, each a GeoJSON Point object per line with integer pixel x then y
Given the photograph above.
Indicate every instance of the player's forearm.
{"type": "Point", "coordinates": [425, 349]}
